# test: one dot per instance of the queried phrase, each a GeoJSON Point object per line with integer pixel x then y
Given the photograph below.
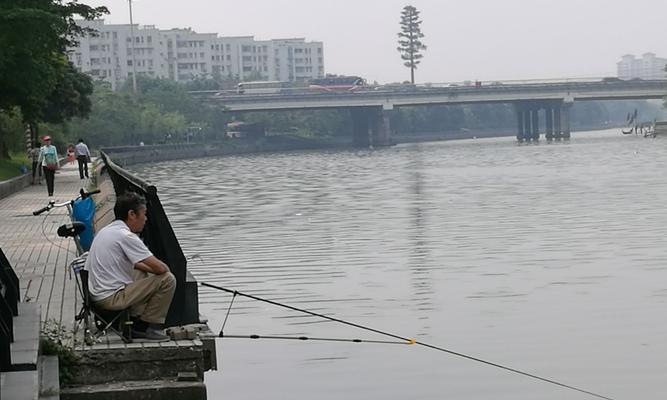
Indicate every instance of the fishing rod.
{"type": "Point", "coordinates": [313, 339]}
{"type": "Point", "coordinates": [402, 338]}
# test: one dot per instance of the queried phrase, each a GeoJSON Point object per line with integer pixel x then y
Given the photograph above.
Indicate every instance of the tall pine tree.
{"type": "Point", "coordinates": [409, 39]}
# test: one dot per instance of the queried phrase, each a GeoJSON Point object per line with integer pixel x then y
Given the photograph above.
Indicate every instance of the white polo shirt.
{"type": "Point", "coordinates": [111, 259]}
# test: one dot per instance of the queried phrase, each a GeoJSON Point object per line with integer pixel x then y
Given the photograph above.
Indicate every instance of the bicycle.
{"type": "Point", "coordinates": [72, 230]}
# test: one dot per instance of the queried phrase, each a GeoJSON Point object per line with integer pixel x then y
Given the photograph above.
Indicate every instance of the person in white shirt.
{"type": "Point", "coordinates": [82, 156]}
{"type": "Point", "coordinates": [123, 273]}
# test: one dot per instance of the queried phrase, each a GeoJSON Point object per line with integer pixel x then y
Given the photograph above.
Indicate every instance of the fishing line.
{"type": "Point", "coordinates": [228, 310]}
{"type": "Point", "coordinates": [409, 341]}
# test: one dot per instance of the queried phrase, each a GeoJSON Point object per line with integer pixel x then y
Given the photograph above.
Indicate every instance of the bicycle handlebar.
{"type": "Point", "coordinates": [82, 195]}
{"type": "Point", "coordinates": [85, 195]}
{"type": "Point", "coordinates": [41, 210]}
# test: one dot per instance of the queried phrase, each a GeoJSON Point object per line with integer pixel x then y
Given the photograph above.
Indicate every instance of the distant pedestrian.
{"type": "Point", "coordinates": [33, 154]}
{"type": "Point", "coordinates": [70, 154]}
{"type": "Point", "coordinates": [48, 157]}
{"type": "Point", "coordinates": [83, 157]}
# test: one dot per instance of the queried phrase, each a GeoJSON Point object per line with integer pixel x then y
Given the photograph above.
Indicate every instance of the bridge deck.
{"type": "Point", "coordinates": [424, 95]}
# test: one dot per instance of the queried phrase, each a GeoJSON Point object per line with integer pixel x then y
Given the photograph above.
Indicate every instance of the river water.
{"type": "Point", "coordinates": [550, 258]}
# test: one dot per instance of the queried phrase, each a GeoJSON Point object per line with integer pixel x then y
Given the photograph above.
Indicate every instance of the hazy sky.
{"type": "Point", "coordinates": [466, 39]}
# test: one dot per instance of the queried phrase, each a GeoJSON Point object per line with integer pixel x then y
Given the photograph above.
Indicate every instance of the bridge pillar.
{"type": "Point", "coordinates": [566, 120]}
{"type": "Point", "coordinates": [535, 124]}
{"type": "Point", "coordinates": [370, 127]}
{"type": "Point", "coordinates": [519, 120]}
{"type": "Point", "coordinates": [550, 122]}
{"type": "Point", "coordinates": [528, 121]}
{"type": "Point", "coordinates": [382, 128]}
{"type": "Point", "coordinates": [558, 130]}
{"type": "Point", "coordinates": [527, 125]}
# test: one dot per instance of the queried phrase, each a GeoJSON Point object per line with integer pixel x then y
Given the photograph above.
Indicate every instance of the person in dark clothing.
{"type": "Point", "coordinates": [33, 154]}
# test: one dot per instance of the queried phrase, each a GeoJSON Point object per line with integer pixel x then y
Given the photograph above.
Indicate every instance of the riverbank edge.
{"type": "Point", "coordinates": [133, 155]}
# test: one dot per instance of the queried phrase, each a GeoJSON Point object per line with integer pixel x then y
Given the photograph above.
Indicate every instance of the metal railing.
{"type": "Point", "coordinates": [9, 298]}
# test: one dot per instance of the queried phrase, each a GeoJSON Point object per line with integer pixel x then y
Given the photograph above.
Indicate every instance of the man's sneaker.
{"type": "Point", "coordinates": [151, 334]}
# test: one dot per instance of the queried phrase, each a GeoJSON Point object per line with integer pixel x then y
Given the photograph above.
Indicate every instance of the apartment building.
{"type": "Point", "coordinates": [647, 67]}
{"type": "Point", "coordinates": [118, 51]}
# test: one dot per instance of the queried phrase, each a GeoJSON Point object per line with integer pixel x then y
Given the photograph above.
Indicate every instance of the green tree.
{"type": "Point", "coordinates": [70, 97]}
{"type": "Point", "coordinates": [33, 37]}
{"type": "Point", "coordinates": [409, 39]}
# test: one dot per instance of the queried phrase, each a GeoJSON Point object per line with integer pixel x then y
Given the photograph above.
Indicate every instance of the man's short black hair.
{"type": "Point", "coordinates": [126, 202]}
{"type": "Point", "coordinates": [80, 141]}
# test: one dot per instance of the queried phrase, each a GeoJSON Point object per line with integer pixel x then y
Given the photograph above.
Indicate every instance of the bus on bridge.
{"type": "Point", "coordinates": [338, 83]}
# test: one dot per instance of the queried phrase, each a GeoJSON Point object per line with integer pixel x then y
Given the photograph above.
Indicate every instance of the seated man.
{"type": "Point", "coordinates": [123, 273]}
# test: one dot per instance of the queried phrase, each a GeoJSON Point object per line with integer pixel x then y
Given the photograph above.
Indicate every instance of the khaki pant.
{"type": "Point", "coordinates": [148, 297]}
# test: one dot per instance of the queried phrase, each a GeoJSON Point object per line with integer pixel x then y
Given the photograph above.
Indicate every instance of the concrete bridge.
{"type": "Point", "coordinates": [370, 105]}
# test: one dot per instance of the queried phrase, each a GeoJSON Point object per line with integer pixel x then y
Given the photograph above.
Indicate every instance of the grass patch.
{"type": "Point", "coordinates": [56, 340]}
{"type": "Point", "coordinates": [12, 167]}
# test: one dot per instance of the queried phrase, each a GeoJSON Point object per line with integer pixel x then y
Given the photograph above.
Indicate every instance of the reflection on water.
{"type": "Point", "coordinates": [550, 258]}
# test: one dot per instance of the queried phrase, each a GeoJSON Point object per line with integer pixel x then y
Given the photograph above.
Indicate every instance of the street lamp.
{"type": "Point", "coordinates": [134, 61]}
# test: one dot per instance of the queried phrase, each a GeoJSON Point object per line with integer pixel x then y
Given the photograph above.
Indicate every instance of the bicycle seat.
{"type": "Point", "coordinates": [71, 230]}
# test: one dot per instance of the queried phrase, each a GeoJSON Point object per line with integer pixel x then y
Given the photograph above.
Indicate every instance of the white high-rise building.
{"type": "Point", "coordinates": [647, 67]}
{"type": "Point", "coordinates": [183, 55]}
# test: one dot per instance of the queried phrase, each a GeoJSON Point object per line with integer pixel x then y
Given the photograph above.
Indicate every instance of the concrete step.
{"type": "Point", "coordinates": [139, 362]}
{"type": "Point", "coordinates": [49, 380]}
{"type": "Point", "coordinates": [137, 390]}
{"type": "Point", "coordinates": [25, 348]}
{"type": "Point", "coordinates": [19, 385]}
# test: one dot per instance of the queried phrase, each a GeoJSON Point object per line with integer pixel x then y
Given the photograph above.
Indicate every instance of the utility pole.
{"type": "Point", "coordinates": [134, 61]}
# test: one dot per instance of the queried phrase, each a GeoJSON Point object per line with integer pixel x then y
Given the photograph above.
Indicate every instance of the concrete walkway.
{"type": "Point", "coordinates": [38, 256]}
